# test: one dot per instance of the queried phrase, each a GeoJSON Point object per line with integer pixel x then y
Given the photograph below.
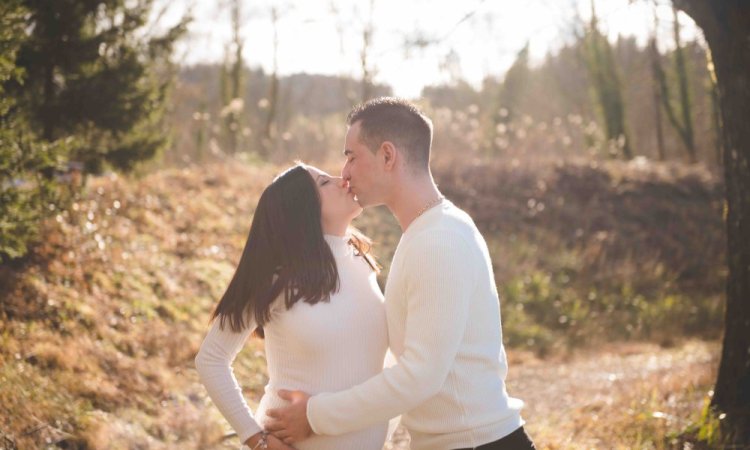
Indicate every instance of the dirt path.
{"type": "Point", "coordinates": [617, 397]}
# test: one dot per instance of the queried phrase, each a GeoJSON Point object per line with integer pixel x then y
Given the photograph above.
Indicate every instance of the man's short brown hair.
{"type": "Point", "coordinates": [396, 120]}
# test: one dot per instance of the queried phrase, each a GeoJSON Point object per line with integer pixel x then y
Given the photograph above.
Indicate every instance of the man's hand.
{"type": "Point", "coordinates": [290, 422]}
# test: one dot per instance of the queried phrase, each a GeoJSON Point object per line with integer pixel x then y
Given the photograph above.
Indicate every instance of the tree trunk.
{"type": "Point", "coordinates": [656, 92]}
{"type": "Point", "coordinates": [726, 25]}
{"type": "Point", "coordinates": [48, 127]}
{"type": "Point", "coordinates": [367, 74]}
{"type": "Point", "coordinates": [715, 110]}
{"type": "Point", "coordinates": [685, 107]}
{"type": "Point", "coordinates": [269, 130]}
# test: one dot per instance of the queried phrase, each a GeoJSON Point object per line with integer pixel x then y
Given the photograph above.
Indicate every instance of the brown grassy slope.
{"type": "Point", "coordinates": [666, 217]}
{"type": "Point", "coordinates": [100, 325]}
{"type": "Point", "coordinates": [589, 251]}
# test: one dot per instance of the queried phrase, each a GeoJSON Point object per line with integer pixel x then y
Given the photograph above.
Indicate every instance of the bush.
{"type": "Point", "coordinates": [32, 187]}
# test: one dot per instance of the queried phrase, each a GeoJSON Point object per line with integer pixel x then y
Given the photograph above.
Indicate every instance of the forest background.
{"type": "Point", "coordinates": [129, 177]}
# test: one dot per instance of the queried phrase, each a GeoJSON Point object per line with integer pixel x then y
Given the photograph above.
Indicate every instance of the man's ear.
{"type": "Point", "coordinates": [389, 155]}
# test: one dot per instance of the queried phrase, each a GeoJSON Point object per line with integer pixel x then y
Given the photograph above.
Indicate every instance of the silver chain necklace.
{"type": "Point", "coordinates": [430, 205]}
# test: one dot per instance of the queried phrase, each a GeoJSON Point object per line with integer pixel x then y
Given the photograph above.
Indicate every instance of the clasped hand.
{"type": "Point", "coordinates": [273, 442]}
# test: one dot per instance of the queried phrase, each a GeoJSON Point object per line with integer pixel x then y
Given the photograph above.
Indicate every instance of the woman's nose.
{"type": "Point", "coordinates": [340, 182]}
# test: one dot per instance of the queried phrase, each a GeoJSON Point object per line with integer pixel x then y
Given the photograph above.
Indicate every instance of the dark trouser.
{"type": "Point", "coordinates": [517, 440]}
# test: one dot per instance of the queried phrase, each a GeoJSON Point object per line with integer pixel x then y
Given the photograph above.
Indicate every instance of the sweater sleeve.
{"type": "Point", "coordinates": [440, 278]}
{"type": "Point", "coordinates": [214, 364]}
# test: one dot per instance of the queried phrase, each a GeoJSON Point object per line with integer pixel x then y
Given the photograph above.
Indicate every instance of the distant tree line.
{"type": "Point", "coordinates": [86, 87]}
{"type": "Point", "coordinates": [268, 108]}
{"type": "Point", "coordinates": [621, 86]}
{"type": "Point", "coordinates": [643, 100]}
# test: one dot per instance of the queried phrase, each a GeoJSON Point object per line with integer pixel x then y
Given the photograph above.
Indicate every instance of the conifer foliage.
{"type": "Point", "coordinates": [83, 87]}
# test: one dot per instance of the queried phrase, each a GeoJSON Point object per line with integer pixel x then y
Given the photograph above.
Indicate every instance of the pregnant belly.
{"type": "Point", "coordinates": [371, 438]}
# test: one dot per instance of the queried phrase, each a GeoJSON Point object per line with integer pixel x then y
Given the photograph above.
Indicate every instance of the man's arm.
{"type": "Point", "coordinates": [440, 282]}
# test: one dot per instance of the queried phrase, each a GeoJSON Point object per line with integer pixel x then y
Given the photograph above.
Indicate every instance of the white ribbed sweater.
{"type": "Point", "coordinates": [313, 348]}
{"type": "Point", "coordinates": [443, 317]}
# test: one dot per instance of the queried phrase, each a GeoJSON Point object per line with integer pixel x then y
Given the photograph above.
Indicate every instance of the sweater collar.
{"type": "Point", "coordinates": [339, 244]}
{"type": "Point", "coordinates": [428, 217]}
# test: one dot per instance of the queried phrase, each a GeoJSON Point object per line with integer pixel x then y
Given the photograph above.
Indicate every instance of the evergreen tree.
{"type": "Point", "coordinates": [600, 64]}
{"type": "Point", "coordinates": [81, 87]}
{"type": "Point", "coordinates": [514, 85]}
{"type": "Point", "coordinates": [91, 73]}
{"type": "Point", "coordinates": [28, 189]}
{"type": "Point", "coordinates": [509, 98]}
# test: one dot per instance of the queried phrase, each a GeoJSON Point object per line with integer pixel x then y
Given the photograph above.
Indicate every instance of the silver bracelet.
{"type": "Point", "coordinates": [263, 441]}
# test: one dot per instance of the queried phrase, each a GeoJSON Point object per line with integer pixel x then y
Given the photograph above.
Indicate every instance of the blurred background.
{"type": "Point", "coordinates": [137, 135]}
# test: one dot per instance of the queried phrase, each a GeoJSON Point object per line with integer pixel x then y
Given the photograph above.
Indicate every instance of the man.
{"type": "Point", "coordinates": [441, 304]}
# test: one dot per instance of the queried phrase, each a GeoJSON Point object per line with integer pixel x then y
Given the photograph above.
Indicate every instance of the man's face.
{"type": "Point", "coordinates": [362, 170]}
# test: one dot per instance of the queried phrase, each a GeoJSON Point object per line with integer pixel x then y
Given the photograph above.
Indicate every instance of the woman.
{"type": "Point", "coordinates": [306, 284]}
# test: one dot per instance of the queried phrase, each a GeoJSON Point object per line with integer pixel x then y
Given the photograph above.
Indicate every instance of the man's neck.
{"type": "Point", "coordinates": [410, 199]}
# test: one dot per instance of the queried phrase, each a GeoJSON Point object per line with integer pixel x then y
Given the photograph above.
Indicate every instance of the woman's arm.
{"type": "Point", "coordinates": [214, 365]}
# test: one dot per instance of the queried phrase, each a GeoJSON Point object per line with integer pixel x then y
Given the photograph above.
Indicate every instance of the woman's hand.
{"type": "Point", "coordinates": [274, 443]}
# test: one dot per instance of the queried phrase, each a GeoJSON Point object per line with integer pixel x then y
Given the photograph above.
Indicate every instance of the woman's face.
{"type": "Point", "coordinates": [338, 207]}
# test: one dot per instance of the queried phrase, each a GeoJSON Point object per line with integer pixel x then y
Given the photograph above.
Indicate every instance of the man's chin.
{"type": "Point", "coordinates": [361, 202]}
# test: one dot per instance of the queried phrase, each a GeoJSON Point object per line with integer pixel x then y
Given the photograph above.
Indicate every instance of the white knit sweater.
{"type": "Point", "coordinates": [313, 348]}
{"type": "Point", "coordinates": [444, 328]}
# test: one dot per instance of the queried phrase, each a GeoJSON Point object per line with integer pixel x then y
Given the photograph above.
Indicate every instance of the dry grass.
{"type": "Point", "coordinates": [621, 396]}
{"type": "Point", "coordinates": [101, 326]}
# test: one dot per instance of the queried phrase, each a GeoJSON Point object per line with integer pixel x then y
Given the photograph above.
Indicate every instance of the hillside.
{"type": "Point", "coordinates": [100, 325]}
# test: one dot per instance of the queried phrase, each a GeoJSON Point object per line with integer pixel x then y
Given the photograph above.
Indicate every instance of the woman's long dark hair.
{"type": "Point", "coordinates": [285, 253]}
